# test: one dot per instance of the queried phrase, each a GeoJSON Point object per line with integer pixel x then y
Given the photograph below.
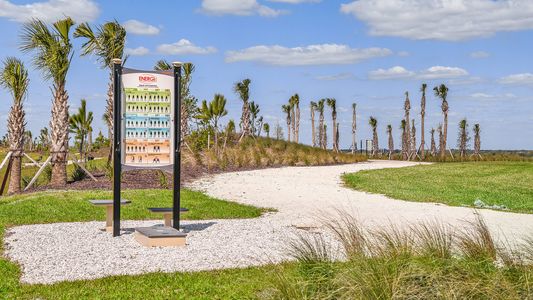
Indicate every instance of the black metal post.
{"type": "Point", "coordinates": [117, 130]}
{"type": "Point", "coordinates": [176, 205]}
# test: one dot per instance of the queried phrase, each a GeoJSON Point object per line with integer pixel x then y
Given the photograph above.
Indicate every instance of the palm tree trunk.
{"type": "Point", "coordinates": [59, 130]}
{"type": "Point", "coordinates": [444, 136]}
{"type": "Point", "coordinates": [15, 127]}
{"type": "Point", "coordinates": [313, 133]}
{"type": "Point", "coordinates": [422, 138]}
{"type": "Point", "coordinates": [297, 126]}
{"type": "Point", "coordinates": [334, 130]}
{"type": "Point", "coordinates": [354, 128]}
{"type": "Point", "coordinates": [289, 131]}
{"type": "Point", "coordinates": [391, 144]}
{"type": "Point", "coordinates": [245, 119]}
{"type": "Point", "coordinates": [321, 131]}
{"type": "Point", "coordinates": [375, 145]}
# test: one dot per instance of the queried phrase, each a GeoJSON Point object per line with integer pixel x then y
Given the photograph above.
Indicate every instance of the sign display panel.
{"type": "Point", "coordinates": [147, 120]}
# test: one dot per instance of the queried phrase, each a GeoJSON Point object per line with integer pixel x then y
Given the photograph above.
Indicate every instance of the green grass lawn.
{"type": "Point", "coordinates": [458, 184]}
{"type": "Point", "coordinates": [70, 206]}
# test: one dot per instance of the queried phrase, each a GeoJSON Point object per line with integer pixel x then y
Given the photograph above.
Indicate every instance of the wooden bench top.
{"type": "Point", "coordinates": [108, 202]}
{"type": "Point", "coordinates": [165, 209]}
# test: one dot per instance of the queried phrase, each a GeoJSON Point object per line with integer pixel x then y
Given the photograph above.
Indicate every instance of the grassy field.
{"type": "Point", "coordinates": [63, 206]}
{"type": "Point", "coordinates": [458, 184]}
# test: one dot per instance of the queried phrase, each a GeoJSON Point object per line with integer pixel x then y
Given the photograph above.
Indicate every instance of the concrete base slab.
{"type": "Point", "coordinates": [160, 237]}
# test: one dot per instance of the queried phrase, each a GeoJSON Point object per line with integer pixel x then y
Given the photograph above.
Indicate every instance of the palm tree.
{"type": "Point", "coordinates": [332, 103]}
{"type": "Point", "coordinates": [14, 77]}
{"type": "Point", "coordinates": [322, 140]}
{"type": "Point", "coordinates": [313, 131]}
{"type": "Point", "coordinates": [188, 102]}
{"type": "Point", "coordinates": [407, 108]}
{"type": "Point", "coordinates": [354, 128]}
{"type": "Point", "coordinates": [463, 138]}
{"type": "Point", "coordinates": [28, 140]}
{"type": "Point", "coordinates": [254, 111]}
{"type": "Point", "coordinates": [325, 137]}
{"type": "Point", "coordinates": [295, 100]}
{"type": "Point", "coordinates": [44, 139]}
{"type": "Point", "coordinates": [373, 122]}
{"type": "Point", "coordinates": [162, 65]}
{"type": "Point", "coordinates": [441, 139]}
{"type": "Point", "coordinates": [286, 108]}
{"type": "Point", "coordinates": [53, 53]}
{"type": "Point", "coordinates": [413, 139]}
{"type": "Point", "coordinates": [107, 43]}
{"type": "Point", "coordinates": [477, 140]}
{"type": "Point", "coordinates": [404, 139]}
{"type": "Point", "coordinates": [230, 131]}
{"type": "Point", "coordinates": [422, 120]}
{"type": "Point", "coordinates": [212, 112]}
{"type": "Point", "coordinates": [391, 141]}
{"type": "Point", "coordinates": [433, 145]}
{"type": "Point", "coordinates": [243, 89]}
{"type": "Point", "coordinates": [259, 125]}
{"type": "Point", "coordinates": [80, 125]}
{"type": "Point", "coordinates": [293, 117]}
{"type": "Point", "coordinates": [441, 92]}
{"type": "Point", "coordinates": [266, 128]}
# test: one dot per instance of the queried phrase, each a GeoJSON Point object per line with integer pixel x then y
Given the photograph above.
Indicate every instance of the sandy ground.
{"type": "Point", "coordinates": [304, 195]}
{"type": "Point", "coordinates": [50, 253]}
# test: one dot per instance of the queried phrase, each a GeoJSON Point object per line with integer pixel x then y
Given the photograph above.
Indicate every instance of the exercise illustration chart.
{"type": "Point", "coordinates": [147, 121]}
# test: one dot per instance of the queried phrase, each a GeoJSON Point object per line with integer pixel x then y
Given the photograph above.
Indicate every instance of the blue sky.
{"type": "Point", "coordinates": [365, 51]}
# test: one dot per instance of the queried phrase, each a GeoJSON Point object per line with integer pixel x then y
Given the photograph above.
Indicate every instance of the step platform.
{"type": "Point", "coordinates": [158, 236]}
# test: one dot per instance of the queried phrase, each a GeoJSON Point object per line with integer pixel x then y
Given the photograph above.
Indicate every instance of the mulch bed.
{"type": "Point", "coordinates": [146, 179]}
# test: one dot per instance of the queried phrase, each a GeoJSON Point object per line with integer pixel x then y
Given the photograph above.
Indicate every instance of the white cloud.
{"type": "Point", "coordinates": [435, 72]}
{"type": "Point", "coordinates": [340, 76]}
{"type": "Point", "coordinates": [140, 28]}
{"type": "Point", "coordinates": [50, 11]}
{"type": "Point", "coordinates": [139, 51]}
{"type": "Point", "coordinates": [450, 20]}
{"type": "Point", "coordinates": [481, 95]}
{"type": "Point", "coordinates": [520, 79]}
{"type": "Point", "coordinates": [391, 73]}
{"type": "Point", "coordinates": [438, 72]}
{"type": "Point", "coordinates": [491, 96]}
{"type": "Point", "coordinates": [324, 54]}
{"type": "Point", "coordinates": [238, 7]}
{"type": "Point", "coordinates": [184, 46]}
{"type": "Point", "coordinates": [479, 54]}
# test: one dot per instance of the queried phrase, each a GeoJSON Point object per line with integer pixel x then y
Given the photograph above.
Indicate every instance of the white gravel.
{"type": "Point", "coordinates": [71, 251]}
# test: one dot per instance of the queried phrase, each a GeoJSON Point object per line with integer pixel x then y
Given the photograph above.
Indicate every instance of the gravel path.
{"type": "Point", "coordinates": [72, 251]}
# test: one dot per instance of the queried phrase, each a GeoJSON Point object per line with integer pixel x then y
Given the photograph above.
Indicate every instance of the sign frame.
{"type": "Point", "coordinates": [119, 143]}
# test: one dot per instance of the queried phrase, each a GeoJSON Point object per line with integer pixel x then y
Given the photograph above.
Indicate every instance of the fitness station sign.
{"type": "Point", "coordinates": [147, 118]}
